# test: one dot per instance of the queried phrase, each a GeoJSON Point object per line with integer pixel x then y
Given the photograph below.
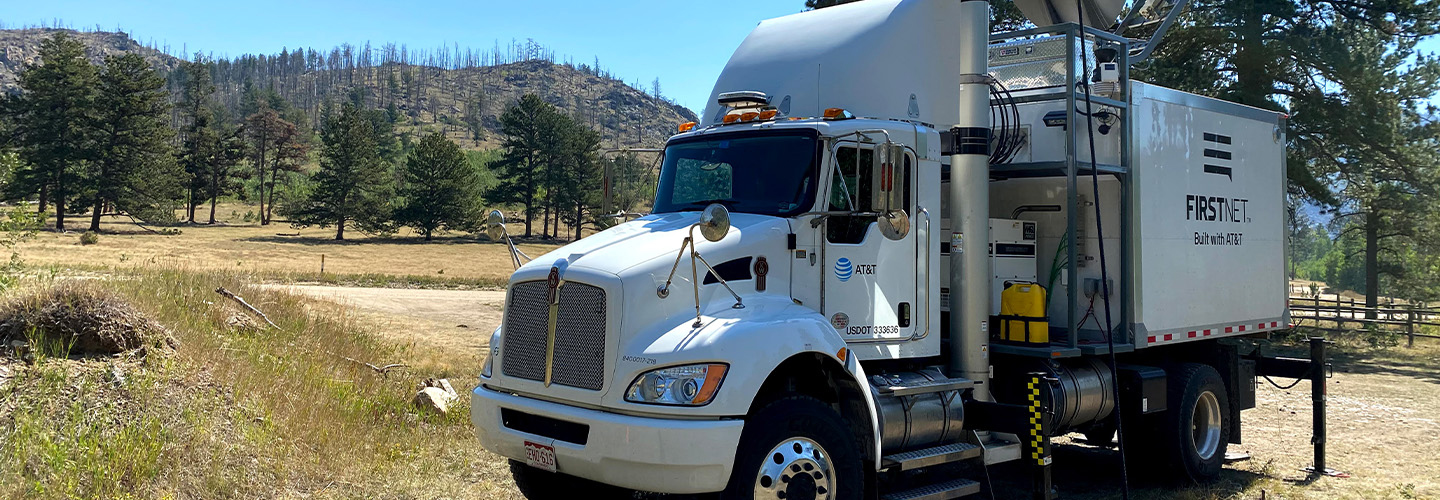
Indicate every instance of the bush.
{"type": "Point", "coordinates": [82, 317]}
{"type": "Point", "coordinates": [89, 238]}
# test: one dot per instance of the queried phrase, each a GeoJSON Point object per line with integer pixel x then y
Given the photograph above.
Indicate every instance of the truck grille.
{"type": "Point", "coordinates": [579, 334]}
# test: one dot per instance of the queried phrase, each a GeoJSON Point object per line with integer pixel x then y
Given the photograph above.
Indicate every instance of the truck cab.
{"type": "Point", "coordinates": [803, 284]}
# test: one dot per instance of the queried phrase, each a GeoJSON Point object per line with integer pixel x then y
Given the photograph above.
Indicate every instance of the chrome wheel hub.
{"type": "Point", "coordinates": [797, 469]}
{"type": "Point", "coordinates": [1205, 425]}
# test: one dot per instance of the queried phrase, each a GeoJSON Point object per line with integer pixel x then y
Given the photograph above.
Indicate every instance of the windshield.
{"type": "Point", "coordinates": [765, 173]}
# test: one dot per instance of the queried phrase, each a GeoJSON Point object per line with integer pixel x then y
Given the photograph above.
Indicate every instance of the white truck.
{"type": "Point", "coordinates": [812, 310]}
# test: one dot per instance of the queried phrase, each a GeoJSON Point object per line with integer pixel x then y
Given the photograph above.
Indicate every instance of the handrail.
{"type": "Point", "coordinates": [928, 273]}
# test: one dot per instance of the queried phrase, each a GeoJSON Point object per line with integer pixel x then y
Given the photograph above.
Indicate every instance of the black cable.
{"type": "Point", "coordinates": [1285, 388]}
{"type": "Point", "coordinates": [1100, 239]}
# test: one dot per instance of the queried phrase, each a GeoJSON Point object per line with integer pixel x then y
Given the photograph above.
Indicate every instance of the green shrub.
{"type": "Point", "coordinates": [89, 238]}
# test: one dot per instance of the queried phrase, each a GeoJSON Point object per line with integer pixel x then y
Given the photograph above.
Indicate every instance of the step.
{"type": "Point", "coordinates": [935, 455]}
{"type": "Point", "coordinates": [942, 385]}
{"type": "Point", "coordinates": [954, 488]}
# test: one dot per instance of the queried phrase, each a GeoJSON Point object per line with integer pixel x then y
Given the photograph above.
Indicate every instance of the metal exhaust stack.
{"type": "Point", "coordinates": [970, 206]}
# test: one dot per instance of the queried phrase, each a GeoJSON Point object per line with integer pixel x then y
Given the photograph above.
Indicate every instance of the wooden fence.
{"type": "Point", "coordinates": [1342, 311]}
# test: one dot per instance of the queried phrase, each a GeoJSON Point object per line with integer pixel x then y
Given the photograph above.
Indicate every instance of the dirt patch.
{"type": "Point", "coordinates": [461, 320]}
{"type": "Point", "coordinates": [79, 319]}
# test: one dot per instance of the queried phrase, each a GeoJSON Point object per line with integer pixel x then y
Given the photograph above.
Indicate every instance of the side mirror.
{"type": "Point", "coordinates": [887, 190]}
{"type": "Point", "coordinates": [495, 226]}
{"type": "Point", "coordinates": [714, 222]}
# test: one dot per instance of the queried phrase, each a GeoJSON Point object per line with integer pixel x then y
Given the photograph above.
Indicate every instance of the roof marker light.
{"type": "Point", "coordinates": [838, 114]}
{"type": "Point", "coordinates": [687, 126]}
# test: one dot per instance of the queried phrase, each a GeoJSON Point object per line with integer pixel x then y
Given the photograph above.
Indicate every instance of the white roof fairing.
{"type": "Point", "coordinates": [868, 57]}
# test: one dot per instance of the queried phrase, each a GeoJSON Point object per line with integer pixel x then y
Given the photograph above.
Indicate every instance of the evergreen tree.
{"type": "Point", "coordinates": [528, 127]}
{"type": "Point", "coordinates": [273, 142]}
{"type": "Point", "coordinates": [441, 188]}
{"type": "Point", "coordinates": [223, 151]}
{"type": "Point", "coordinates": [55, 117]}
{"type": "Point", "coordinates": [353, 184]}
{"type": "Point", "coordinates": [199, 139]}
{"type": "Point", "coordinates": [578, 187]}
{"type": "Point", "coordinates": [135, 165]}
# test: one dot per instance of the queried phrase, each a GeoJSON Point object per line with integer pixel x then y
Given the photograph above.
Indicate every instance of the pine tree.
{"type": "Point", "coordinates": [55, 119]}
{"type": "Point", "coordinates": [353, 183]}
{"type": "Point", "coordinates": [198, 136]}
{"type": "Point", "coordinates": [135, 165]}
{"type": "Point", "coordinates": [441, 188]}
{"type": "Point", "coordinates": [528, 127]}
{"type": "Point", "coordinates": [272, 143]}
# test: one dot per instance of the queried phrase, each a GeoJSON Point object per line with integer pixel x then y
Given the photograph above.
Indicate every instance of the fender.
{"type": "Point", "coordinates": [755, 341]}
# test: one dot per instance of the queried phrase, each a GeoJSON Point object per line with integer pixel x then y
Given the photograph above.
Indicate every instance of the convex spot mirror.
{"type": "Point", "coordinates": [894, 224]}
{"type": "Point", "coordinates": [495, 225]}
{"type": "Point", "coordinates": [714, 222]}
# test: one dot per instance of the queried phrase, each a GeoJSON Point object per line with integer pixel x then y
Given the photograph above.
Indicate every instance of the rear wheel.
{"type": "Point", "coordinates": [1198, 423]}
{"type": "Point", "coordinates": [796, 448]}
{"type": "Point", "coordinates": [538, 484]}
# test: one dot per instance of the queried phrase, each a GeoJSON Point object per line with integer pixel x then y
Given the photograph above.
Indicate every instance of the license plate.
{"type": "Point", "coordinates": [540, 456]}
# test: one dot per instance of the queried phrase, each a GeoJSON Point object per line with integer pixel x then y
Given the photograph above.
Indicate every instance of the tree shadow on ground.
{"type": "Point", "coordinates": [1373, 360]}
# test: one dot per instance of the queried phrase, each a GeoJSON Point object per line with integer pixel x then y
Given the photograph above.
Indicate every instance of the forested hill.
{"type": "Point", "coordinates": [458, 90]}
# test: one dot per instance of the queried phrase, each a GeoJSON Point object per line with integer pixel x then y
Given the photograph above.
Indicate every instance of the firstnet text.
{"type": "Point", "coordinates": [1216, 208]}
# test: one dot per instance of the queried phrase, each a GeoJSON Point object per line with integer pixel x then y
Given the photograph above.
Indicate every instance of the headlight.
{"type": "Point", "coordinates": [494, 351]}
{"type": "Point", "coordinates": [689, 385]}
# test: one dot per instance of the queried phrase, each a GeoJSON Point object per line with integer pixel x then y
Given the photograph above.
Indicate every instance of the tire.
{"type": "Point", "coordinates": [1195, 430]}
{"type": "Point", "coordinates": [538, 484]}
{"type": "Point", "coordinates": [796, 438]}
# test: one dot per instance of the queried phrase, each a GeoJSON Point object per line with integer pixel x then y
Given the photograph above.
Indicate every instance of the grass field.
{"type": "Point", "coordinates": [281, 252]}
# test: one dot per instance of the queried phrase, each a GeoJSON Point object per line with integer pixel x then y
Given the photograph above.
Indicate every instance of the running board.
{"type": "Point", "coordinates": [942, 385]}
{"type": "Point", "coordinates": [948, 490]}
{"type": "Point", "coordinates": [936, 455]}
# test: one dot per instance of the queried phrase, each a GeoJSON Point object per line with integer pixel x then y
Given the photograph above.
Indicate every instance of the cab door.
{"type": "Point", "coordinates": [869, 276]}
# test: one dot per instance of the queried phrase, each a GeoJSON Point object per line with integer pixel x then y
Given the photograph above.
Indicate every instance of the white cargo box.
{"type": "Point", "coordinates": [1208, 202]}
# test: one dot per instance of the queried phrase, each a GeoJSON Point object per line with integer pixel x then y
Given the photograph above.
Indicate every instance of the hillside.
{"type": "Point", "coordinates": [462, 94]}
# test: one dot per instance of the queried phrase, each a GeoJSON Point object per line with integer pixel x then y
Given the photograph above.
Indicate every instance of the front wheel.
{"type": "Point", "coordinates": [796, 448]}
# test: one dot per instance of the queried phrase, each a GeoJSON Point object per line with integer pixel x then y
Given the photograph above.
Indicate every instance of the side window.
{"type": "Point", "coordinates": [851, 189]}
{"type": "Point", "coordinates": [697, 180]}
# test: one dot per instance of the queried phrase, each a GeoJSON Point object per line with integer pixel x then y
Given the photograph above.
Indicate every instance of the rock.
{"type": "Point", "coordinates": [434, 400]}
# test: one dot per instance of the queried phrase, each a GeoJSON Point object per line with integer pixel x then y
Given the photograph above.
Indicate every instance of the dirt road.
{"type": "Point", "coordinates": [445, 319]}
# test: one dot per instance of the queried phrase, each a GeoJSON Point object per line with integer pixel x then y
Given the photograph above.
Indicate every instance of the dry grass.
{"type": "Point", "coordinates": [239, 412]}
{"type": "Point", "coordinates": [281, 252]}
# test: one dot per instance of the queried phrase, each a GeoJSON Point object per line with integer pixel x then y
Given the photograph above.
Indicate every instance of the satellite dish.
{"type": "Point", "coordinates": [714, 222]}
{"type": "Point", "coordinates": [1098, 13]}
{"type": "Point", "coordinates": [495, 226]}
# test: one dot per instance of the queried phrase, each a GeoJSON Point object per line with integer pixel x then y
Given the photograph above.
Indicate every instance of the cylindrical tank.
{"type": "Point", "coordinates": [909, 422]}
{"type": "Point", "coordinates": [1081, 394]}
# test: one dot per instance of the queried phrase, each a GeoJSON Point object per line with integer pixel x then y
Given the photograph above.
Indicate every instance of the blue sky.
{"type": "Point", "coordinates": [684, 43]}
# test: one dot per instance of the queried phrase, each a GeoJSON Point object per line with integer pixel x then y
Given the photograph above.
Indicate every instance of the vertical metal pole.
{"type": "Point", "coordinates": [970, 206]}
{"type": "Point", "coordinates": [1039, 443]}
{"type": "Point", "coordinates": [1072, 195]}
{"type": "Point", "coordinates": [1317, 400]}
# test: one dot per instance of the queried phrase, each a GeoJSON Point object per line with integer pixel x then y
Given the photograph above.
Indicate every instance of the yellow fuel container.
{"type": "Point", "coordinates": [1022, 314]}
